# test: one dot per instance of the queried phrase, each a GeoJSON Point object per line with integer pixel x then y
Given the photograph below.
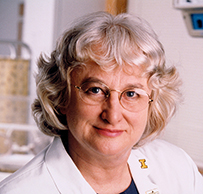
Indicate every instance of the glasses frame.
{"type": "Point", "coordinates": [109, 93]}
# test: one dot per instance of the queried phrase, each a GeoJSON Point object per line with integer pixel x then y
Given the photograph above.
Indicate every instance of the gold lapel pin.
{"type": "Point", "coordinates": [143, 165]}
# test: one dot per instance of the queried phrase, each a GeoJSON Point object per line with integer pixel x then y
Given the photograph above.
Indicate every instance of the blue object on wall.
{"type": "Point", "coordinates": [197, 21]}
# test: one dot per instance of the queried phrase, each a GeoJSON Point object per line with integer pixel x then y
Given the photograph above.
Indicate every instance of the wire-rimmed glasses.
{"type": "Point", "coordinates": [132, 99]}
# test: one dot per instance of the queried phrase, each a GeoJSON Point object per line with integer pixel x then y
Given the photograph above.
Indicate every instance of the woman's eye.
{"type": "Point", "coordinates": [94, 90]}
{"type": "Point", "coordinates": [131, 94]}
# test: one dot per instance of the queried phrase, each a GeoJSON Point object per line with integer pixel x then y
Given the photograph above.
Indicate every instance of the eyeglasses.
{"type": "Point", "coordinates": [132, 99]}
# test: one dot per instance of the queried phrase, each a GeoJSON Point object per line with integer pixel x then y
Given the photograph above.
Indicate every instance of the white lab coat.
{"type": "Point", "coordinates": [167, 170]}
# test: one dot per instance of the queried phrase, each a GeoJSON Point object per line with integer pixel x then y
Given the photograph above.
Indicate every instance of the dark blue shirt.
{"type": "Point", "coordinates": [132, 189]}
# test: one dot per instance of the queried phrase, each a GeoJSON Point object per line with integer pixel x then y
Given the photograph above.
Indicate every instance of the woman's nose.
{"type": "Point", "coordinates": [112, 109]}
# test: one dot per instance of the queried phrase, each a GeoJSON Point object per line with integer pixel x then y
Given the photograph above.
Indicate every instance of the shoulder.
{"type": "Point", "coordinates": [160, 148]}
{"type": "Point", "coordinates": [170, 166]}
{"type": "Point", "coordinates": [26, 179]}
{"type": "Point", "coordinates": [162, 153]}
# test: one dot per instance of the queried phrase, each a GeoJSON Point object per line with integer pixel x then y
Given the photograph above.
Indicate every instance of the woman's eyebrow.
{"type": "Point", "coordinates": [130, 85]}
{"type": "Point", "coordinates": [92, 79]}
{"type": "Point", "coordinates": [134, 85]}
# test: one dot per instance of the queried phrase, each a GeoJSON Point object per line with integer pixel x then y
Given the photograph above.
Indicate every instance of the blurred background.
{"type": "Point", "coordinates": [30, 27]}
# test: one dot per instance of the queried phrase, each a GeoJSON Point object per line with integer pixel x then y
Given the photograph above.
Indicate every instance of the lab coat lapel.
{"type": "Point", "coordinates": [67, 178]}
{"type": "Point", "coordinates": [140, 169]}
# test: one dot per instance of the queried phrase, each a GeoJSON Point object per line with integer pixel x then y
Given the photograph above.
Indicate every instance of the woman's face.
{"type": "Point", "coordinates": [105, 129]}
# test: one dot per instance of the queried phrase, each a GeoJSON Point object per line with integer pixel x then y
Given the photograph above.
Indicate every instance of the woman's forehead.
{"type": "Point", "coordinates": [94, 72]}
{"type": "Point", "coordinates": [95, 68]}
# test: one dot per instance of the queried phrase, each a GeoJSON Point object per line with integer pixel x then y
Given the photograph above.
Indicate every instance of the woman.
{"type": "Point", "coordinates": [106, 94]}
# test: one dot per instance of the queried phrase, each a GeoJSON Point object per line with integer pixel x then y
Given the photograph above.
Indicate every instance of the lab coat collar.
{"type": "Point", "coordinates": [63, 171]}
{"type": "Point", "coordinates": [68, 178]}
{"type": "Point", "coordinates": [140, 169]}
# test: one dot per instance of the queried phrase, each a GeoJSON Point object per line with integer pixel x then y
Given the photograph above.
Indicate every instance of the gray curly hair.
{"type": "Point", "coordinates": [105, 39]}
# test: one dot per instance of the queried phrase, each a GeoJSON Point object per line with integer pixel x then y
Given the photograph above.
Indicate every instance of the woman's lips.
{"type": "Point", "coordinates": [109, 132]}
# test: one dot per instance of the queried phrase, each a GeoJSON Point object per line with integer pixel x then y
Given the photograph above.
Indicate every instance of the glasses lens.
{"type": "Point", "coordinates": [93, 92]}
{"type": "Point", "coordinates": [134, 99]}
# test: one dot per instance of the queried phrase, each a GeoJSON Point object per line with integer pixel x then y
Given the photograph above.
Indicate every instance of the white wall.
{"type": "Point", "coordinates": [186, 129]}
{"type": "Point", "coordinates": [38, 32]}
{"type": "Point", "coordinates": [69, 10]}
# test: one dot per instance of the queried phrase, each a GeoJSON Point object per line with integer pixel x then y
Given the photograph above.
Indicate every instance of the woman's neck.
{"type": "Point", "coordinates": [103, 178]}
{"type": "Point", "coordinates": [106, 175]}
